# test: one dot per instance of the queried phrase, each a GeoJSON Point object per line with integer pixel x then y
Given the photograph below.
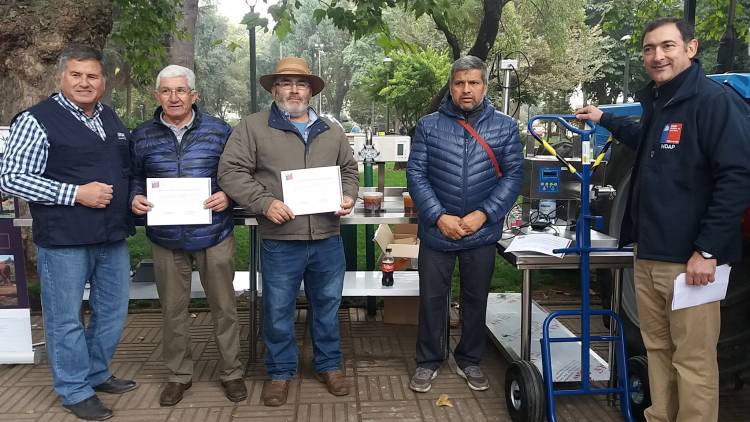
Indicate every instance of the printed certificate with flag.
{"type": "Point", "coordinates": [178, 200]}
{"type": "Point", "coordinates": [312, 191]}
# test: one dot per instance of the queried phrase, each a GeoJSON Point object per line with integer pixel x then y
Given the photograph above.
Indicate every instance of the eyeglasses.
{"type": "Point", "coordinates": [180, 91]}
{"type": "Point", "coordinates": [287, 84]}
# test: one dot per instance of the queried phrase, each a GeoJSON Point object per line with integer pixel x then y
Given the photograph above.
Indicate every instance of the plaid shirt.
{"type": "Point", "coordinates": [25, 158]}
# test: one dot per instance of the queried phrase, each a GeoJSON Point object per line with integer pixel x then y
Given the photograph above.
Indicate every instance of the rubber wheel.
{"type": "Point", "coordinates": [638, 386]}
{"type": "Point", "coordinates": [524, 392]}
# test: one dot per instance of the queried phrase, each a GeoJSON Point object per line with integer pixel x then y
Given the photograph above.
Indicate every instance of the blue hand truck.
{"type": "Point", "coordinates": [584, 249]}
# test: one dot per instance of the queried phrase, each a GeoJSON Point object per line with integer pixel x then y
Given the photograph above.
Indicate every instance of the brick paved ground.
{"type": "Point", "coordinates": [379, 359]}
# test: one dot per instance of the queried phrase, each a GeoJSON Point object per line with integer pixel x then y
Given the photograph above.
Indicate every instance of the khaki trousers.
{"type": "Point", "coordinates": [682, 368]}
{"type": "Point", "coordinates": [173, 272]}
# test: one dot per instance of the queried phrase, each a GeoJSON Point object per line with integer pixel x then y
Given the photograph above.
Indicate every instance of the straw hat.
{"type": "Point", "coordinates": [292, 66]}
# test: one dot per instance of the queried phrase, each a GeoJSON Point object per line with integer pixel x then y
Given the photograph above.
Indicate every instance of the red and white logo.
{"type": "Point", "coordinates": [674, 133]}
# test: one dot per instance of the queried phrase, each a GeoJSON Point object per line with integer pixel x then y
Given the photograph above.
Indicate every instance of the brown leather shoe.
{"type": "Point", "coordinates": [335, 381]}
{"type": "Point", "coordinates": [235, 389]}
{"type": "Point", "coordinates": [172, 393]}
{"type": "Point", "coordinates": [275, 392]}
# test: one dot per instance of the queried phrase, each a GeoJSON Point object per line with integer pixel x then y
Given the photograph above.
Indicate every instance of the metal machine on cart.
{"type": "Point", "coordinates": [551, 194]}
{"type": "Point", "coordinates": [523, 381]}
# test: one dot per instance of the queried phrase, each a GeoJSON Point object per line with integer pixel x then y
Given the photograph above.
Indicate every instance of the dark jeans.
{"type": "Point", "coordinates": [284, 264]}
{"type": "Point", "coordinates": [435, 270]}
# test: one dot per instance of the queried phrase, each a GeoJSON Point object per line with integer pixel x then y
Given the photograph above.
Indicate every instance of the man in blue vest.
{"type": "Point", "coordinates": [464, 174]}
{"type": "Point", "coordinates": [68, 156]}
{"type": "Point", "coordinates": [181, 141]}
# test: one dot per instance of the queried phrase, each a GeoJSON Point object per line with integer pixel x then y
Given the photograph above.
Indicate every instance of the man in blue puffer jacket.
{"type": "Point", "coordinates": [464, 174]}
{"type": "Point", "coordinates": [181, 141]}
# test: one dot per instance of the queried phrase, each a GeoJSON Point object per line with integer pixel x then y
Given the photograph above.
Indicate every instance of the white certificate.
{"type": "Point", "coordinates": [687, 295]}
{"type": "Point", "coordinates": [312, 191]}
{"type": "Point", "coordinates": [178, 200]}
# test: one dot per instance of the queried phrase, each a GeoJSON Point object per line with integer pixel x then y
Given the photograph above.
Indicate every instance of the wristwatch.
{"type": "Point", "coordinates": [706, 255]}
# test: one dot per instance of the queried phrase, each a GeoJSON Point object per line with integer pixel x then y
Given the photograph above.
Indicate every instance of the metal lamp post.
{"type": "Point", "coordinates": [626, 72]}
{"type": "Point", "coordinates": [387, 60]}
{"type": "Point", "coordinates": [319, 48]}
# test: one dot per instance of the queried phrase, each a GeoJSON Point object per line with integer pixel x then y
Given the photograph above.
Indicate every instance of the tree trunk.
{"type": "Point", "coordinates": [128, 96]}
{"type": "Point", "coordinates": [343, 75]}
{"type": "Point", "coordinates": [182, 51]}
{"type": "Point", "coordinates": [488, 29]}
{"type": "Point", "coordinates": [32, 35]}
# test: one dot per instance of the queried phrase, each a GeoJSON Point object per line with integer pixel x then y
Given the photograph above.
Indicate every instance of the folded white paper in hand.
{"type": "Point", "coordinates": [686, 295]}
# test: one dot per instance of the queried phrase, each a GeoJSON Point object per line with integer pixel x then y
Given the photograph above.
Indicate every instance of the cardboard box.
{"type": "Point", "coordinates": [402, 240]}
{"type": "Point", "coordinates": [401, 310]}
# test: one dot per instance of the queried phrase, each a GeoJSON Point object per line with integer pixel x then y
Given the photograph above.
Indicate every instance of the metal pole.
{"type": "Point", "coordinates": [625, 39]}
{"type": "Point", "coordinates": [626, 76]}
{"type": "Point", "coordinates": [583, 240]}
{"type": "Point", "coordinates": [506, 92]}
{"type": "Point", "coordinates": [320, 73]}
{"type": "Point", "coordinates": [388, 61]}
{"type": "Point", "coordinates": [387, 117]}
{"type": "Point", "coordinates": [526, 316]}
{"type": "Point", "coordinates": [369, 228]}
{"type": "Point", "coordinates": [611, 354]}
{"type": "Point", "coordinates": [689, 11]}
{"type": "Point", "coordinates": [253, 59]}
{"type": "Point", "coordinates": [252, 298]}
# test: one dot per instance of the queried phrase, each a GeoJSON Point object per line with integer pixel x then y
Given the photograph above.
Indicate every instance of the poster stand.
{"type": "Point", "coordinates": [15, 315]}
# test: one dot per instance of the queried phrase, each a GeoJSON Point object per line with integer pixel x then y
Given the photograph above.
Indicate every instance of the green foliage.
{"type": "Point", "coordinates": [617, 18]}
{"type": "Point", "coordinates": [364, 17]}
{"type": "Point", "coordinates": [558, 54]}
{"type": "Point", "coordinates": [409, 82]}
{"type": "Point", "coordinates": [253, 19]}
{"type": "Point", "coordinates": [140, 34]}
{"type": "Point", "coordinates": [221, 65]}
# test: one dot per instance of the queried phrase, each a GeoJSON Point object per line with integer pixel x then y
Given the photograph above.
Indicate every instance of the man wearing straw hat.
{"type": "Point", "coordinates": [291, 136]}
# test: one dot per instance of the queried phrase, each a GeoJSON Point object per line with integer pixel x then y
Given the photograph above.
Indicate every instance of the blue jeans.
{"type": "Point", "coordinates": [79, 359]}
{"type": "Point", "coordinates": [284, 264]}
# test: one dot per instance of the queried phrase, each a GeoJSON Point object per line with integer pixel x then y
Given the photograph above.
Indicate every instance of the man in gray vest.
{"type": "Point", "coordinates": [68, 156]}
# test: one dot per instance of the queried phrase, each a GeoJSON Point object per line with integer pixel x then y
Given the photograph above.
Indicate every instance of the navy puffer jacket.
{"type": "Point", "coordinates": [156, 153]}
{"type": "Point", "coordinates": [450, 173]}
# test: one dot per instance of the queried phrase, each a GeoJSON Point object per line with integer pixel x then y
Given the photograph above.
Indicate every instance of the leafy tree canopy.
{"type": "Point", "coordinates": [408, 82]}
{"type": "Point", "coordinates": [139, 34]}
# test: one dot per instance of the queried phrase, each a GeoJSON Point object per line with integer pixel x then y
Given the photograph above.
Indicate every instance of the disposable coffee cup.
{"type": "Point", "coordinates": [373, 201]}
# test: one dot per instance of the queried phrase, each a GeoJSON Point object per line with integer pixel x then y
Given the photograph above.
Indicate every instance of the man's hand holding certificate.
{"type": "Point", "coordinates": [179, 201]}
{"type": "Point", "coordinates": [313, 191]}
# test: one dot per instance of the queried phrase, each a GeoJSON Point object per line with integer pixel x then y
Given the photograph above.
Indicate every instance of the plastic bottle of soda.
{"type": "Point", "coordinates": [386, 266]}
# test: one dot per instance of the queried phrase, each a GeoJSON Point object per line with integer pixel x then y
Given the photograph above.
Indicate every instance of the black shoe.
{"type": "Point", "coordinates": [116, 386]}
{"type": "Point", "coordinates": [235, 390]}
{"type": "Point", "coordinates": [91, 409]}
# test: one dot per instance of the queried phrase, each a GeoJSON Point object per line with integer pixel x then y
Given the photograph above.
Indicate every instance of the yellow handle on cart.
{"type": "Point", "coordinates": [552, 151]}
{"type": "Point", "coordinates": [601, 155]}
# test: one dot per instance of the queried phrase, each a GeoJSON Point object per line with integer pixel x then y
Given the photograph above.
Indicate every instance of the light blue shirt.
{"type": "Point", "coordinates": [303, 128]}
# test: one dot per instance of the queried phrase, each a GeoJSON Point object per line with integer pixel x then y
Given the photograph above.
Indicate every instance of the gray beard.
{"type": "Point", "coordinates": [293, 113]}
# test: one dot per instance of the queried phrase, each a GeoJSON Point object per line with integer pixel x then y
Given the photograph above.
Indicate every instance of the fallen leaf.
{"type": "Point", "coordinates": [443, 400]}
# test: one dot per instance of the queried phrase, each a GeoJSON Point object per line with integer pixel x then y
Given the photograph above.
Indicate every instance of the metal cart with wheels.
{"type": "Point", "coordinates": [583, 248]}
